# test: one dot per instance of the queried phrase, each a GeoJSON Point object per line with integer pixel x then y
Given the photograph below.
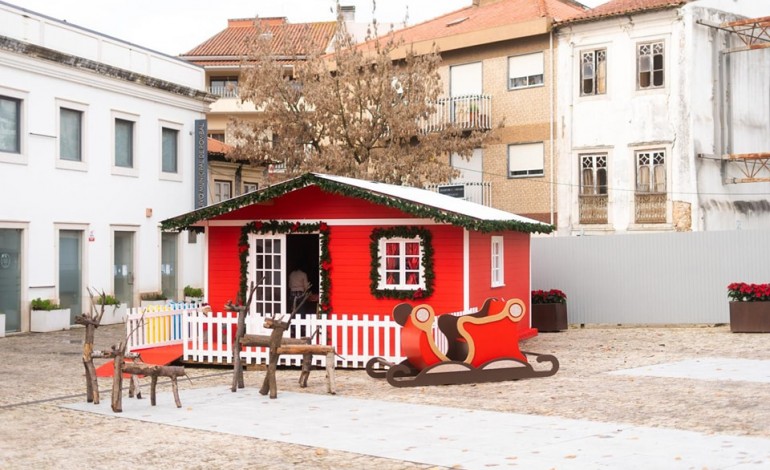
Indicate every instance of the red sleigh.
{"type": "Point", "coordinates": [483, 347]}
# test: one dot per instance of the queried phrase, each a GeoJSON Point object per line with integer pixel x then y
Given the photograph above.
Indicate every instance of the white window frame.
{"type": "Point", "coordinates": [652, 70]}
{"type": "Point", "coordinates": [167, 175]}
{"type": "Point", "coordinates": [497, 261]}
{"type": "Point", "coordinates": [599, 161]}
{"type": "Point", "coordinates": [19, 157]}
{"type": "Point", "coordinates": [246, 185]}
{"type": "Point", "coordinates": [217, 196]}
{"type": "Point", "coordinates": [651, 168]}
{"type": "Point", "coordinates": [82, 164]}
{"type": "Point", "coordinates": [526, 170]}
{"type": "Point", "coordinates": [533, 75]}
{"type": "Point", "coordinates": [383, 285]}
{"type": "Point", "coordinates": [595, 53]}
{"type": "Point", "coordinates": [121, 170]}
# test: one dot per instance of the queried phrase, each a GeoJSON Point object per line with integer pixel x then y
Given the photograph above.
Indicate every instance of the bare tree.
{"type": "Point", "coordinates": [358, 111]}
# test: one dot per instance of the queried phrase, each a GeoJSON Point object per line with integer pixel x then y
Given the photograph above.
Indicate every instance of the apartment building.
{"type": "Point", "coordinates": [498, 67]}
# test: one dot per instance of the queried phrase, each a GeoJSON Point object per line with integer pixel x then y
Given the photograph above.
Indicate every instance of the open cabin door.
{"type": "Point", "coordinates": [267, 261]}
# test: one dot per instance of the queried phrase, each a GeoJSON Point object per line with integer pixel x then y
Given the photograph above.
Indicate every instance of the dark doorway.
{"type": "Point", "coordinates": [302, 253]}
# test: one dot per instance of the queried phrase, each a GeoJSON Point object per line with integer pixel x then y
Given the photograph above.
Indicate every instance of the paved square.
{"type": "Point", "coordinates": [445, 436]}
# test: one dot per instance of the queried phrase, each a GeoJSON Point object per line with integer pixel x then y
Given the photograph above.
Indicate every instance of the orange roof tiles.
{"type": "Point", "coordinates": [488, 15]}
{"type": "Point", "coordinates": [215, 146]}
{"type": "Point", "coordinates": [233, 41]}
{"type": "Point", "coordinates": [624, 7]}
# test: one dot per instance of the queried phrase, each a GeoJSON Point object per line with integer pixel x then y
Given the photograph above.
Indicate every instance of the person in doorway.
{"type": "Point", "coordinates": [298, 284]}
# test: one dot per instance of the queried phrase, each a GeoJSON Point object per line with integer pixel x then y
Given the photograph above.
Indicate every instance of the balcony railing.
{"type": "Point", "coordinates": [650, 208]}
{"type": "Point", "coordinates": [471, 112]}
{"type": "Point", "coordinates": [224, 91]}
{"type": "Point", "coordinates": [479, 192]}
{"type": "Point", "coordinates": [593, 208]}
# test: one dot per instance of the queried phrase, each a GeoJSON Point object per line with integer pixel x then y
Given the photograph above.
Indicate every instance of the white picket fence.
{"type": "Point", "coordinates": [208, 337]}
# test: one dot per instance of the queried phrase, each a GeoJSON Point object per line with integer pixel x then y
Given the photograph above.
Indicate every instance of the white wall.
{"type": "Point", "coordinates": [44, 193]}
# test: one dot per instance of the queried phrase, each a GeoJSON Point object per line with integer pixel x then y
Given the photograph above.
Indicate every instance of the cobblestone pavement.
{"type": "Point", "coordinates": [39, 372]}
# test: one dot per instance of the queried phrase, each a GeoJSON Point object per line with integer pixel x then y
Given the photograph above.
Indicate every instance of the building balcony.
{"type": "Point", "coordinates": [470, 112]}
{"type": "Point", "coordinates": [593, 208]}
{"type": "Point", "coordinates": [224, 91]}
{"type": "Point", "coordinates": [650, 208]}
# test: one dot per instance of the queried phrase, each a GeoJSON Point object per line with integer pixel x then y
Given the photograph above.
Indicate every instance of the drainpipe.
{"type": "Point", "coordinates": [551, 118]}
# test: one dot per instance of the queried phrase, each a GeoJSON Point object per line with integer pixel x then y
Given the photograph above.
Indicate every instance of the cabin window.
{"type": "Point", "coordinates": [498, 278]}
{"type": "Point", "coordinates": [401, 264]}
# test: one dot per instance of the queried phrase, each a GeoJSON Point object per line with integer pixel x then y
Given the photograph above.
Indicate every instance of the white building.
{"type": "Point", "coordinates": [96, 147]}
{"type": "Point", "coordinates": [659, 103]}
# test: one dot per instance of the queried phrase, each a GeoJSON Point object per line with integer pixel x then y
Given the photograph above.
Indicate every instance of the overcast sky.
{"type": "Point", "coordinates": [176, 26]}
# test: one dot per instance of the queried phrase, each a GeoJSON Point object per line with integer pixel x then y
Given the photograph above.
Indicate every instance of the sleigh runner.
{"type": "Point", "coordinates": [483, 347]}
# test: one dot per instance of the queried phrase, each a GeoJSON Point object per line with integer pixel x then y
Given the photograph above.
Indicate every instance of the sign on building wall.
{"type": "Point", "coordinates": [201, 163]}
{"type": "Point", "coordinates": [455, 190]}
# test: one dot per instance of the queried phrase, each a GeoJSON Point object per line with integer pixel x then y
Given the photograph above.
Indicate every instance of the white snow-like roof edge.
{"type": "Point", "coordinates": [433, 199]}
{"type": "Point", "coordinates": [416, 201]}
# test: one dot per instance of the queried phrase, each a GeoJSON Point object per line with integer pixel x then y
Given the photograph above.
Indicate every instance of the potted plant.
{"type": "Point", "coordinates": [749, 307]}
{"type": "Point", "coordinates": [193, 294]}
{"type": "Point", "coordinates": [46, 315]}
{"type": "Point", "coordinates": [114, 311]}
{"type": "Point", "coordinates": [151, 298]}
{"type": "Point", "coordinates": [549, 310]}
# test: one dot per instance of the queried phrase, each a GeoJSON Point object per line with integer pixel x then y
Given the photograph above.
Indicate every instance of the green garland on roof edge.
{"type": "Point", "coordinates": [418, 210]}
{"type": "Point", "coordinates": [426, 238]}
{"type": "Point", "coordinates": [274, 226]}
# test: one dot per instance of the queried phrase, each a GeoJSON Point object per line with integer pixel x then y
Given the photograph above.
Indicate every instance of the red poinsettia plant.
{"type": "Point", "coordinates": [743, 292]}
{"type": "Point", "coordinates": [553, 296]}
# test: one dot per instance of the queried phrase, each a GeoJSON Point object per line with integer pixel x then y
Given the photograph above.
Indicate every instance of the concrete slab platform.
{"type": "Point", "coordinates": [707, 368]}
{"type": "Point", "coordinates": [450, 437]}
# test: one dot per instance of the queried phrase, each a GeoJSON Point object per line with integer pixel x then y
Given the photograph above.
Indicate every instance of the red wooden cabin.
{"type": "Point", "coordinates": [365, 246]}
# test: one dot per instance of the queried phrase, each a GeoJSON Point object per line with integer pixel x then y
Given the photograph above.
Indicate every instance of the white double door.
{"type": "Point", "coordinates": [267, 266]}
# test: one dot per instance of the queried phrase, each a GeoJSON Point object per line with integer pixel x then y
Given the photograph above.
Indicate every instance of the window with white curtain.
{"type": "Point", "coordinates": [651, 171]}
{"type": "Point", "coordinates": [525, 160]}
{"type": "Point", "coordinates": [525, 71]}
{"type": "Point", "coordinates": [593, 174]}
{"type": "Point", "coordinates": [593, 72]}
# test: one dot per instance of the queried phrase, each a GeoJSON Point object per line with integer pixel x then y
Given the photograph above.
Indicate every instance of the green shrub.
{"type": "Point", "coordinates": [107, 300]}
{"type": "Point", "coordinates": [47, 304]}
{"type": "Point", "coordinates": [152, 296]}
{"type": "Point", "coordinates": [193, 291]}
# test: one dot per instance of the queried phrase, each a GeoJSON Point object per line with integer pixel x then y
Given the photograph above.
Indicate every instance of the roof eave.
{"type": "Point", "coordinates": [193, 218]}
{"type": "Point", "coordinates": [632, 12]}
